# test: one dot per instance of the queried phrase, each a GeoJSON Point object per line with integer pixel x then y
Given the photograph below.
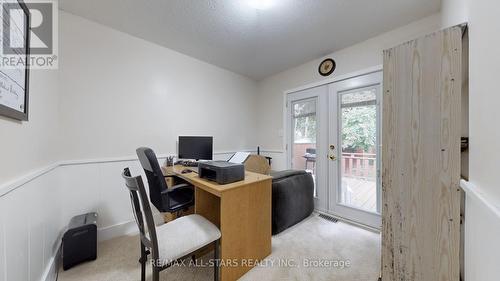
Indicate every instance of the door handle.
{"type": "Point", "coordinates": [332, 157]}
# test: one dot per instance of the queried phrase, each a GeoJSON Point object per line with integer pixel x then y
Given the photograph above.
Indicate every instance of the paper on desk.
{"type": "Point", "coordinates": [239, 157]}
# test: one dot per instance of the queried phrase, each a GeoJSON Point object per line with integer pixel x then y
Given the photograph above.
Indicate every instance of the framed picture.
{"type": "Point", "coordinates": [14, 77]}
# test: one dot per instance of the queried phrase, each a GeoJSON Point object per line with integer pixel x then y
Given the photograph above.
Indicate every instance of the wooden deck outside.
{"type": "Point", "coordinates": [360, 193]}
{"type": "Point", "coordinates": [359, 186]}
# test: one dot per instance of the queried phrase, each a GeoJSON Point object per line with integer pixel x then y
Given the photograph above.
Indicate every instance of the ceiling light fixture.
{"type": "Point", "coordinates": [261, 4]}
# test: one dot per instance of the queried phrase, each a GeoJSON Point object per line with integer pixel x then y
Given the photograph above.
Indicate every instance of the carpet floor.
{"type": "Point", "coordinates": [314, 249]}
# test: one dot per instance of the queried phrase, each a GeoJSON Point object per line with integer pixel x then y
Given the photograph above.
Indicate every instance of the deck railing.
{"type": "Point", "coordinates": [359, 165]}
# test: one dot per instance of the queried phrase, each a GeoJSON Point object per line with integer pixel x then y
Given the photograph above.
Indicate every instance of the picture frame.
{"type": "Point", "coordinates": [14, 81]}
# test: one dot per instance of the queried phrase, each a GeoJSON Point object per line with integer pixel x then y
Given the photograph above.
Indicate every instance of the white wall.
{"type": "Point", "coordinates": [119, 92]}
{"type": "Point", "coordinates": [484, 39]}
{"type": "Point", "coordinates": [27, 146]}
{"type": "Point", "coordinates": [358, 57]}
{"type": "Point", "coordinates": [484, 60]}
{"type": "Point", "coordinates": [28, 225]}
{"type": "Point", "coordinates": [482, 229]}
{"type": "Point", "coordinates": [453, 12]}
{"type": "Point", "coordinates": [482, 246]}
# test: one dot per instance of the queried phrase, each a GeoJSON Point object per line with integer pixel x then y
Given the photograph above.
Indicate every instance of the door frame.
{"type": "Point", "coordinates": [320, 206]}
{"type": "Point", "coordinates": [365, 217]}
{"type": "Point", "coordinates": [321, 93]}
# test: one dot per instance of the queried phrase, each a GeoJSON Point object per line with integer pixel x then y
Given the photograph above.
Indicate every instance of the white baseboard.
{"type": "Point", "coordinates": [50, 272]}
{"type": "Point", "coordinates": [120, 229]}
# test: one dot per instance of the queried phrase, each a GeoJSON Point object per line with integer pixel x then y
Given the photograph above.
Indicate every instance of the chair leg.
{"type": "Point", "coordinates": [156, 274]}
{"type": "Point", "coordinates": [217, 260]}
{"type": "Point", "coordinates": [143, 260]}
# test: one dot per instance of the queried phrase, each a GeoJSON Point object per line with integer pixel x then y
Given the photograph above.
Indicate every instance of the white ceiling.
{"type": "Point", "coordinates": [252, 42]}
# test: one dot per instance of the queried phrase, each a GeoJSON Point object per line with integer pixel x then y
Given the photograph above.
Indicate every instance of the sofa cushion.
{"type": "Point", "coordinates": [279, 175]}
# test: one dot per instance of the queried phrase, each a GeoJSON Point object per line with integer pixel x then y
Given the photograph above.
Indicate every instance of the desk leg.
{"type": "Point", "coordinates": [245, 223]}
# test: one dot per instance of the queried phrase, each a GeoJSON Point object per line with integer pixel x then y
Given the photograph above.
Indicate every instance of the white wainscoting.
{"type": "Point", "coordinates": [30, 227]}
{"type": "Point", "coordinates": [482, 232]}
{"type": "Point", "coordinates": [35, 209]}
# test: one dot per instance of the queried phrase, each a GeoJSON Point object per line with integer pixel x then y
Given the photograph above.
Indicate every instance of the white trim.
{"type": "Point", "coordinates": [119, 229]}
{"type": "Point", "coordinates": [125, 158]}
{"type": "Point", "coordinates": [14, 184]}
{"type": "Point", "coordinates": [284, 136]}
{"type": "Point", "coordinates": [271, 151]}
{"type": "Point", "coordinates": [365, 71]}
{"type": "Point", "coordinates": [472, 190]}
{"type": "Point", "coordinates": [320, 94]}
{"type": "Point", "coordinates": [51, 265]}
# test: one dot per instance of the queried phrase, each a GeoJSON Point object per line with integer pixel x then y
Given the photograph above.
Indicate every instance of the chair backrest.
{"type": "Point", "coordinates": [142, 211]}
{"type": "Point", "coordinates": [156, 180]}
{"type": "Point", "coordinates": [257, 164]}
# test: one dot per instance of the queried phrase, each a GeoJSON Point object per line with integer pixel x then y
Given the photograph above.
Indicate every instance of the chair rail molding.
{"type": "Point", "coordinates": [476, 192]}
{"type": "Point", "coordinates": [13, 184]}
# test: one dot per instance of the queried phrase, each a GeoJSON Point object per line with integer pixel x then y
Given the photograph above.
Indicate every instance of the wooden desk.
{"type": "Point", "coordinates": [242, 211]}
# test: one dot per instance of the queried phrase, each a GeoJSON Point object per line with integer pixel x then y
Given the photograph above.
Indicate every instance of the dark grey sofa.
{"type": "Point", "coordinates": [293, 201]}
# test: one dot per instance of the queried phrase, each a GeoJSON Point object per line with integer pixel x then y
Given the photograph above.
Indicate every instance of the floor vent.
{"type": "Point", "coordinates": [328, 218]}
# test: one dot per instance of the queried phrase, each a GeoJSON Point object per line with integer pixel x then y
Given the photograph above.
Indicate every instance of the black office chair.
{"type": "Point", "coordinates": [174, 199]}
{"type": "Point", "coordinates": [170, 242]}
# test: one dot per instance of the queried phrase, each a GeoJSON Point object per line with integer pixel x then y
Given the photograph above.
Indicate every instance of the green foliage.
{"type": "Point", "coordinates": [359, 128]}
{"type": "Point", "coordinates": [305, 128]}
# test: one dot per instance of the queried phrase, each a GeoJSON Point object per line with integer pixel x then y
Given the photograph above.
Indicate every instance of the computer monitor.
{"type": "Point", "coordinates": [198, 148]}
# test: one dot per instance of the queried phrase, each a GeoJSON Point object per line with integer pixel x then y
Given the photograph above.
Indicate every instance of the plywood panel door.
{"type": "Point", "coordinates": [421, 159]}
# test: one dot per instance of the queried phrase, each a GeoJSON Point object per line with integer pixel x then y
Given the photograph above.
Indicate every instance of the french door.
{"type": "Point", "coordinates": [354, 149]}
{"type": "Point", "coordinates": [307, 127]}
{"type": "Point", "coordinates": [333, 133]}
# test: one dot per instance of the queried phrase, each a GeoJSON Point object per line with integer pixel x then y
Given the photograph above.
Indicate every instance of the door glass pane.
{"type": "Point", "coordinates": [304, 124]}
{"type": "Point", "coordinates": [358, 171]}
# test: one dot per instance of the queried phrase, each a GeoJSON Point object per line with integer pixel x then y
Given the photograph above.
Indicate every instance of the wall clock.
{"type": "Point", "coordinates": [327, 67]}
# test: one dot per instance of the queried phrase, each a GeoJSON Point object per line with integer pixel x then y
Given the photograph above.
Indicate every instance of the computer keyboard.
{"type": "Point", "coordinates": [187, 163]}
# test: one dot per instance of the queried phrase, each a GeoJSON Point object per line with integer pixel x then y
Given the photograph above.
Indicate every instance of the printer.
{"type": "Point", "coordinates": [221, 172]}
